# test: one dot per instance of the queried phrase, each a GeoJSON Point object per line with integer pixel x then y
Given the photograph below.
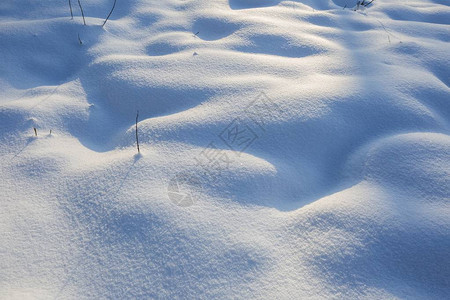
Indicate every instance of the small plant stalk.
{"type": "Point", "coordinates": [114, 5]}
{"type": "Point", "coordinates": [71, 13]}
{"type": "Point", "coordinates": [137, 138]}
{"type": "Point", "coordinates": [35, 131]}
{"type": "Point", "coordinates": [82, 12]}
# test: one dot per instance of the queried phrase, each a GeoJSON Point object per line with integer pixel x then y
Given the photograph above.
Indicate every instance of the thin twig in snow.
{"type": "Point", "coordinates": [71, 13]}
{"type": "Point", "coordinates": [82, 12]}
{"type": "Point", "coordinates": [114, 5]}
{"type": "Point", "coordinates": [368, 3]}
{"type": "Point", "coordinates": [137, 138]}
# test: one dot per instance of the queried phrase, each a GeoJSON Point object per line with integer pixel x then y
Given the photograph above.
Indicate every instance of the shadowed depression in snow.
{"type": "Point", "coordinates": [287, 149]}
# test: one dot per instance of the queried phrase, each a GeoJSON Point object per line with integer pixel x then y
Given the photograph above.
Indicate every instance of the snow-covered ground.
{"type": "Point", "coordinates": [289, 149]}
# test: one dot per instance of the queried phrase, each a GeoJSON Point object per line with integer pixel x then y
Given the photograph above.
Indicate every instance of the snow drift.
{"type": "Point", "coordinates": [289, 149]}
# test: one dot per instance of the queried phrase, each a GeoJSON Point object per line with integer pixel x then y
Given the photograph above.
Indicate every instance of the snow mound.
{"type": "Point", "coordinates": [289, 149]}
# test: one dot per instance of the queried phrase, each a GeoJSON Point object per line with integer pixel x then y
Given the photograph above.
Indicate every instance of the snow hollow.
{"type": "Point", "coordinates": [287, 149]}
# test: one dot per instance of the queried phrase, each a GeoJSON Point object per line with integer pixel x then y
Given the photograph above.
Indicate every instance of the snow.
{"type": "Point", "coordinates": [338, 188]}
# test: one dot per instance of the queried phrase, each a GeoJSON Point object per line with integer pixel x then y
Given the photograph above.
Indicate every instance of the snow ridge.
{"type": "Point", "coordinates": [338, 187]}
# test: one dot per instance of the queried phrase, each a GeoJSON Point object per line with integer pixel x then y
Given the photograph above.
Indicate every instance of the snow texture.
{"type": "Point", "coordinates": [289, 149]}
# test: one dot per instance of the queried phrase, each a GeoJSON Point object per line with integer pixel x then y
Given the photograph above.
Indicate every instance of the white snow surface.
{"type": "Point", "coordinates": [342, 190]}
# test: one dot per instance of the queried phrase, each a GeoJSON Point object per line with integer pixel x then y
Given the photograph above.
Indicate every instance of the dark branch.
{"type": "Point", "coordinates": [71, 13]}
{"type": "Point", "coordinates": [137, 138]}
{"type": "Point", "coordinates": [114, 5]}
{"type": "Point", "coordinates": [82, 13]}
